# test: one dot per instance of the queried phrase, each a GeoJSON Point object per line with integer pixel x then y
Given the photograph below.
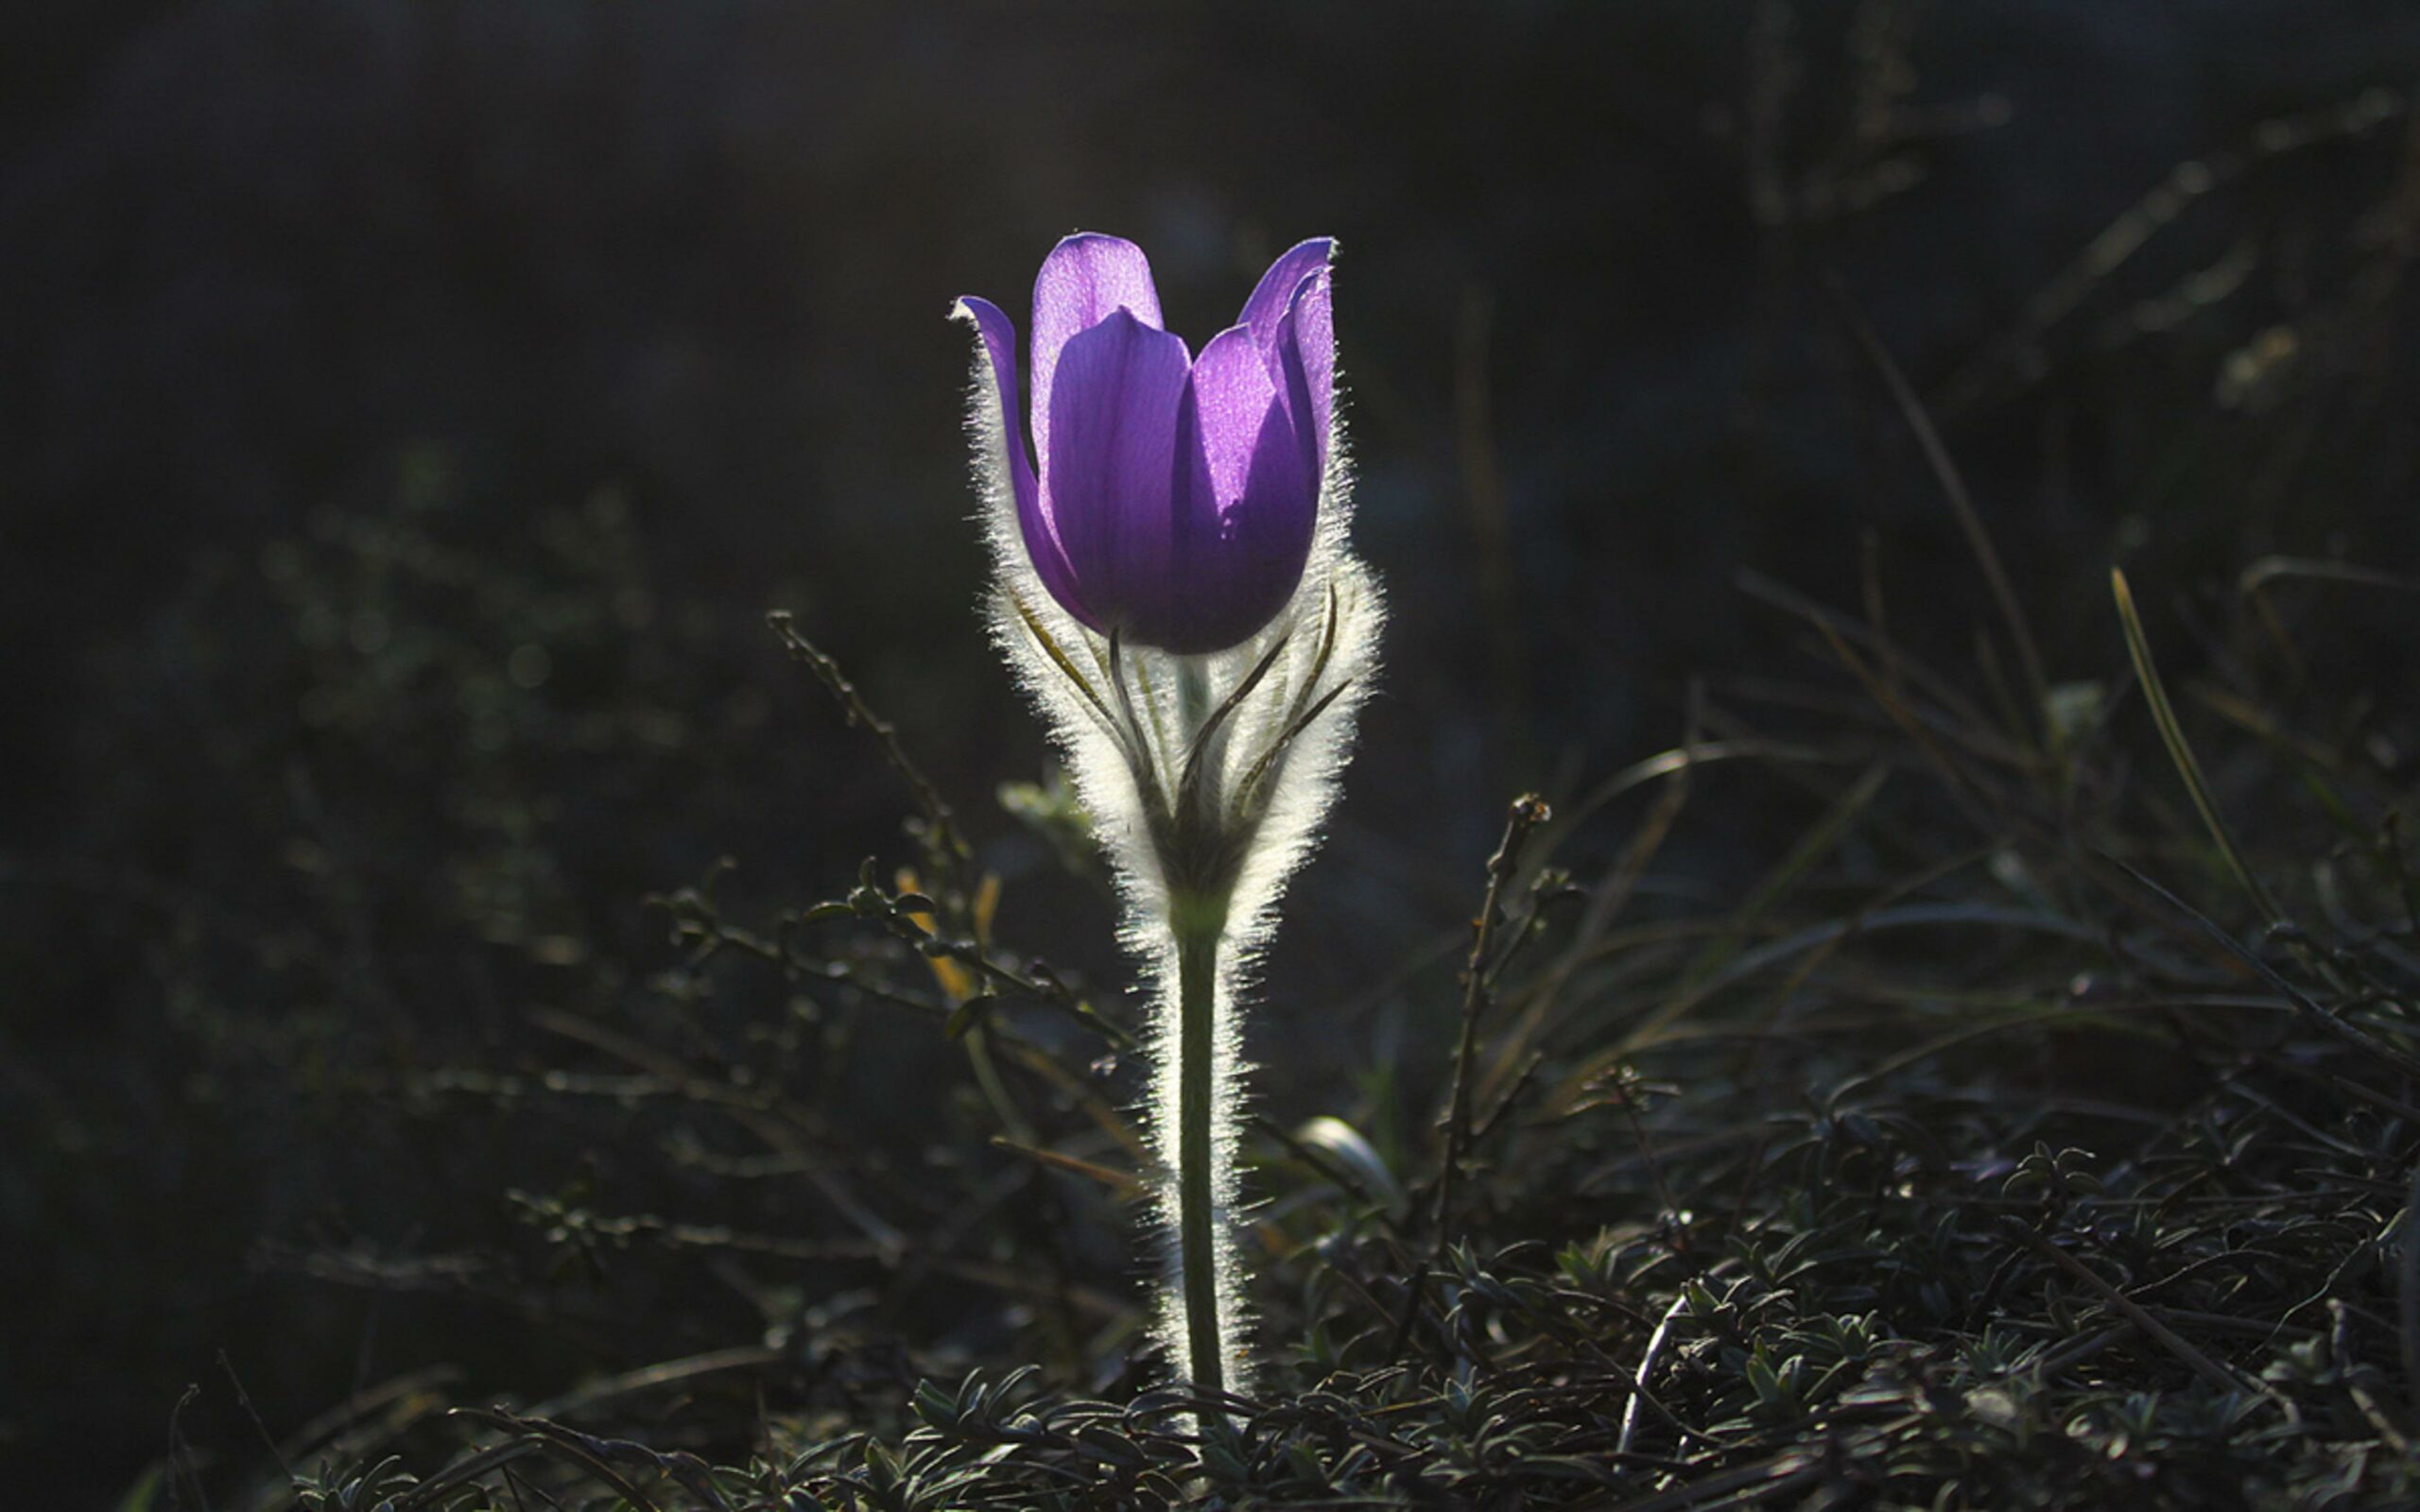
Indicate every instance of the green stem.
{"type": "Point", "coordinates": [1196, 974]}
{"type": "Point", "coordinates": [1197, 906]}
{"type": "Point", "coordinates": [1192, 694]}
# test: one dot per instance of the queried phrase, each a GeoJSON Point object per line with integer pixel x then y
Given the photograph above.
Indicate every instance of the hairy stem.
{"type": "Point", "coordinates": [1196, 973]}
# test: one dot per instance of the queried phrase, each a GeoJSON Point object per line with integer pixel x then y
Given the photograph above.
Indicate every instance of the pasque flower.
{"type": "Point", "coordinates": [1174, 589]}
{"type": "Point", "coordinates": [1169, 497]}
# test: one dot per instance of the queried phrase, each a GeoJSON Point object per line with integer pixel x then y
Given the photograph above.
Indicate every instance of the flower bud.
{"type": "Point", "coordinates": [1177, 496]}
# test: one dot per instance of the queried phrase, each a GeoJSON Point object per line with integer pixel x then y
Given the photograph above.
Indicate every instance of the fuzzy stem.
{"type": "Point", "coordinates": [1192, 694]}
{"type": "Point", "coordinates": [1196, 974]}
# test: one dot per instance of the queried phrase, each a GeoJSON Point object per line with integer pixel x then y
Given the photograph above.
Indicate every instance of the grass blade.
{"type": "Point", "coordinates": [2171, 734]}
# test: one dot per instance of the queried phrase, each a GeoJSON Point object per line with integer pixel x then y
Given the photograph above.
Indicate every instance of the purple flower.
{"type": "Point", "coordinates": [1178, 495]}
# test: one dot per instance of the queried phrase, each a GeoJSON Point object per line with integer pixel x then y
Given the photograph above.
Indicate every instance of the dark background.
{"type": "Point", "coordinates": [409, 410]}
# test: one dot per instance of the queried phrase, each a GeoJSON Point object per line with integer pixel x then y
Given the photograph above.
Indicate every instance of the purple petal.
{"type": "Point", "coordinates": [999, 334]}
{"type": "Point", "coordinates": [1307, 360]}
{"type": "Point", "coordinates": [1246, 499]}
{"type": "Point", "coordinates": [1275, 291]}
{"type": "Point", "coordinates": [1228, 403]}
{"type": "Point", "coordinates": [1106, 478]}
{"type": "Point", "coordinates": [1087, 279]}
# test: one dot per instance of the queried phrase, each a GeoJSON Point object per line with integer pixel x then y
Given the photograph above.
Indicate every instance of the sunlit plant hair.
{"type": "Point", "coordinates": [1174, 589]}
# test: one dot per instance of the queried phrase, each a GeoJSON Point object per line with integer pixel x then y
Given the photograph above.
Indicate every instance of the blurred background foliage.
{"type": "Point", "coordinates": [410, 411]}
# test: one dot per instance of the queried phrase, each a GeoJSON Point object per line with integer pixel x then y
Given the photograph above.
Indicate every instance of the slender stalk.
{"type": "Point", "coordinates": [1529, 812]}
{"type": "Point", "coordinates": [1196, 973]}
